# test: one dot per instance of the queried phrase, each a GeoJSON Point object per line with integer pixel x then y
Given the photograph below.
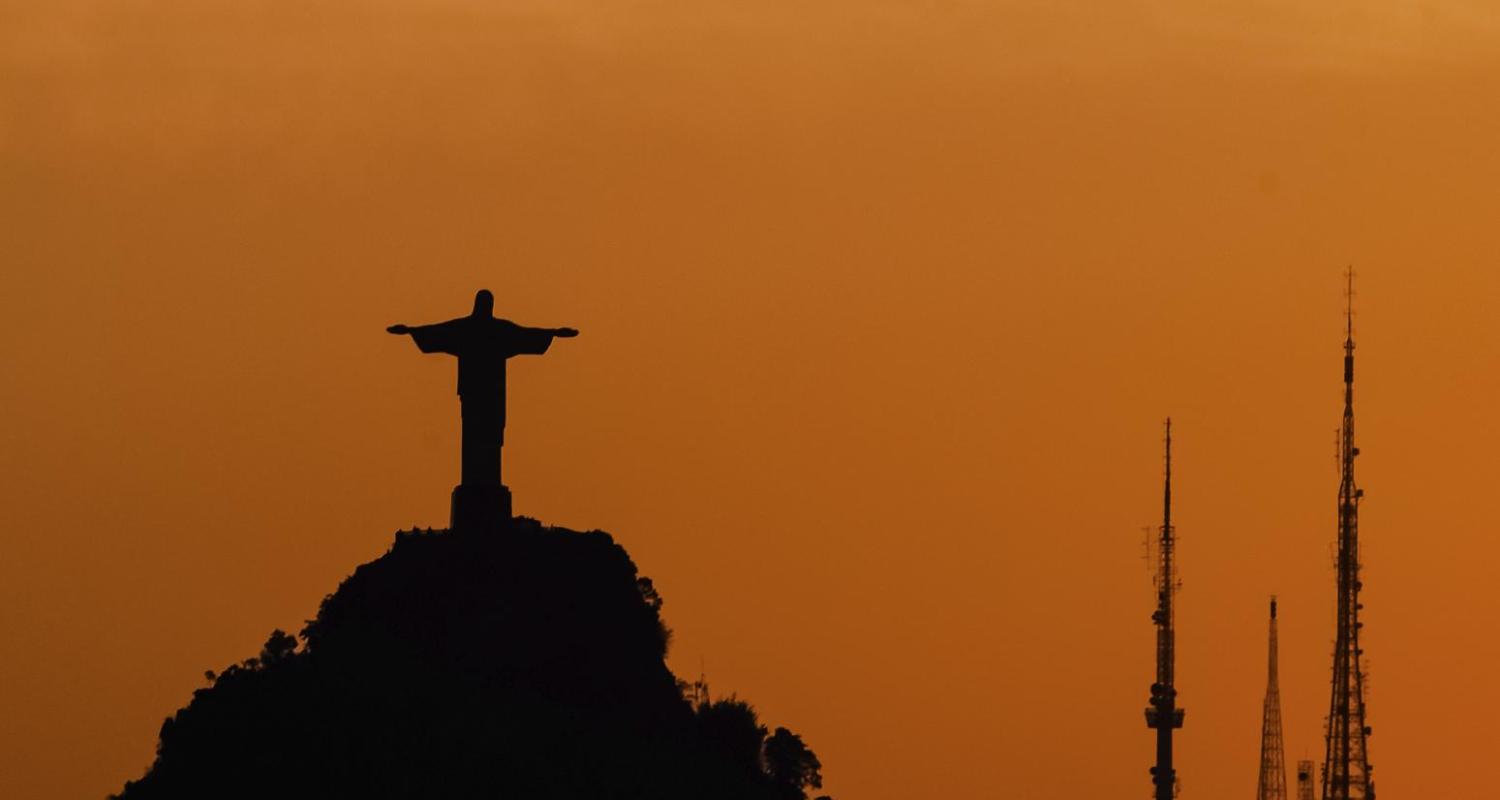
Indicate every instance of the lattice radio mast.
{"type": "Point", "coordinates": [1163, 715]}
{"type": "Point", "coordinates": [1346, 765]}
{"type": "Point", "coordinates": [1304, 780]}
{"type": "Point", "coordinates": [1272, 784]}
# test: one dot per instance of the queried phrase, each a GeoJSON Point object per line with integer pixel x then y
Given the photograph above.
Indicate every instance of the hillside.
{"type": "Point", "coordinates": [525, 664]}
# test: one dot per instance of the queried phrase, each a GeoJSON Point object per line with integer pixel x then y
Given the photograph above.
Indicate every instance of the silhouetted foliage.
{"type": "Point", "coordinates": [792, 767]}
{"type": "Point", "coordinates": [734, 734]}
{"type": "Point", "coordinates": [528, 665]}
{"type": "Point", "coordinates": [277, 648]}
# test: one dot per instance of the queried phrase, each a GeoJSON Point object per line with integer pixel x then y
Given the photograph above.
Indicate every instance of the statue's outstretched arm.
{"type": "Point", "coordinates": [535, 341]}
{"type": "Point", "coordinates": [441, 337]}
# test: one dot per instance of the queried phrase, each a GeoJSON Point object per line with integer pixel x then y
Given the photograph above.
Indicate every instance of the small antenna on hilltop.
{"type": "Point", "coordinates": [700, 687]}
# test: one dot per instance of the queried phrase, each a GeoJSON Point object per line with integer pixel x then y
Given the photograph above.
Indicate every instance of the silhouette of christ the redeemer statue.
{"type": "Point", "coordinates": [482, 344]}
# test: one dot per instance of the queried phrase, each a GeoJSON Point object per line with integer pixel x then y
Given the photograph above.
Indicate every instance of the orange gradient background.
{"type": "Point", "coordinates": [882, 306]}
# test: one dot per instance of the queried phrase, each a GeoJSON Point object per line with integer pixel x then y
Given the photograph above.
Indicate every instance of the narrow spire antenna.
{"type": "Point", "coordinates": [1346, 765]}
{"type": "Point", "coordinates": [1272, 782]}
{"type": "Point", "coordinates": [1167, 483]}
{"type": "Point", "coordinates": [1163, 715]}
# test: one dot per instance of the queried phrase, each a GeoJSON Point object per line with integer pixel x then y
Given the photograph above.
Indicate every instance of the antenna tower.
{"type": "Point", "coordinates": [1163, 715]}
{"type": "Point", "coordinates": [1304, 780]}
{"type": "Point", "coordinates": [697, 691]}
{"type": "Point", "coordinates": [1346, 765]}
{"type": "Point", "coordinates": [1272, 756]}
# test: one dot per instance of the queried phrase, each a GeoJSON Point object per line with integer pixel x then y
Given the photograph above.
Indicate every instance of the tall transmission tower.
{"type": "Point", "coordinates": [1304, 780]}
{"type": "Point", "coordinates": [1272, 756]}
{"type": "Point", "coordinates": [1163, 715]}
{"type": "Point", "coordinates": [1346, 765]}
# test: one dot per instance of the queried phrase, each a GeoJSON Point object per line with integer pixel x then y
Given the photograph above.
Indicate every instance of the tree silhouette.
{"type": "Point", "coordinates": [792, 767]}
{"type": "Point", "coordinates": [731, 730]}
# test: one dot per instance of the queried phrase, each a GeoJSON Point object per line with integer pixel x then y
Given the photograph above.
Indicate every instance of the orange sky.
{"type": "Point", "coordinates": [882, 305]}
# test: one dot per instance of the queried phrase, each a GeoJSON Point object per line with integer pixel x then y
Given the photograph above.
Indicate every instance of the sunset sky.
{"type": "Point", "coordinates": [882, 306]}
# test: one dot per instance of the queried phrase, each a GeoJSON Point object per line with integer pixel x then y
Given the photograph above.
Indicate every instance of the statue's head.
{"type": "Point", "coordinates": [484, 303]}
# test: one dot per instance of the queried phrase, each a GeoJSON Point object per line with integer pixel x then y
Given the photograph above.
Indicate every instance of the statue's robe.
{"type": "Point", "coordinates": [482, 344]}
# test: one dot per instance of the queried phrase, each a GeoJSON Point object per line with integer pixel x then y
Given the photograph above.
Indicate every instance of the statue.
{"type": "Point", "coordinates": [482, 343]}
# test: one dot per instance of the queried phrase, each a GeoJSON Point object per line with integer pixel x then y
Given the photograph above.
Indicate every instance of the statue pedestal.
{"type": "Point", "coordinates": [480, 508]}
